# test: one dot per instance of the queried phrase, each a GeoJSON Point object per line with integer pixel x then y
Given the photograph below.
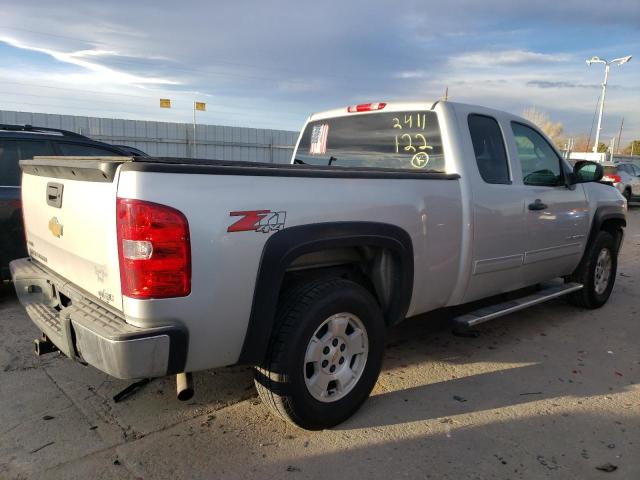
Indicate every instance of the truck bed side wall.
{"type": "Point", "coordinates": [225, 265]}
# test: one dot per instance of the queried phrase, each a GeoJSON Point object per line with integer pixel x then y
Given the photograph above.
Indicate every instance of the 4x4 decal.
{"type": "Point", "coordinates": [264, 221]}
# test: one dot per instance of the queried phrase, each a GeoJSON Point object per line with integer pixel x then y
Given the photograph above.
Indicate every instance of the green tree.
{"type": "Point", "coordinates": [633, 148]}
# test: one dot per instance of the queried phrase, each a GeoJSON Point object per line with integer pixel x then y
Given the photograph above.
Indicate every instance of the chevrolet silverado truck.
{"type": "Point", "coordinates": [147, 267]}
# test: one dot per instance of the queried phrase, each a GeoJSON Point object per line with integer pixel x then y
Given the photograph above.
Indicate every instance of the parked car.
{"type": "Point", "coordinates": [145, 267]}
{"type": "Point", "coordinates": [625, 176]}
{"type": "Point", "coordinates": [23, 142]}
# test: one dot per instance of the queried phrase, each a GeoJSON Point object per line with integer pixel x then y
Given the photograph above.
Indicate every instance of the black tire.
{"type": "Point", "coordinates": [627, 195]}
{"type": "Point", "coordinates": [281, 380]}
{"type": "Point", "coordinates": [588, 296]}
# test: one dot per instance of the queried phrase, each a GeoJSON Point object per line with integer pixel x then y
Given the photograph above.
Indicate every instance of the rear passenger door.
{"type": "Point", "coordinates": [557, 217]}
{"type": "Point", "coordinates": [499, 229]}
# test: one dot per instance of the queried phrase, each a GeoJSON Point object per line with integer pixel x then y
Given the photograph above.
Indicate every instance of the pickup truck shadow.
{"type": "Point", "coordinates": [556, 445]}
{"type": "Point", "coordinates": [549, 351]}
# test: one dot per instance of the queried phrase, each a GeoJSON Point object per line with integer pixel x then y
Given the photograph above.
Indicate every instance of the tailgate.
{"type": "Point", "coordinates": [69, 207]}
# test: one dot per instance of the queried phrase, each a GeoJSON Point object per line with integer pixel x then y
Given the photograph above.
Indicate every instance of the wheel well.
{"type": "Point", "coordinates": [614, 226]}
{"type": "Point", "coordinates": [374, 268]}
{"type": "Point", "coordinates": [377, 255]}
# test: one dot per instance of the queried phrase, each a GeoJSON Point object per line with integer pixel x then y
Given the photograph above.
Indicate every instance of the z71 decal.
{"type": "Point", "coordinates": [264, 221]}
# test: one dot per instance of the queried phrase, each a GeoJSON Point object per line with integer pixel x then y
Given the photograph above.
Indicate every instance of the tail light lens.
{"type": "Point", "coordinates": [153, 249]}
{"type": "Point", "coordinates": [366, 107]}
{"type": "Point", "coordinates": [612, 178]}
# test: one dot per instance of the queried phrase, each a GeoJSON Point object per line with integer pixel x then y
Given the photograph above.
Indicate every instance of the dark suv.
{"type": "Point", "coordinates": [19, 142]}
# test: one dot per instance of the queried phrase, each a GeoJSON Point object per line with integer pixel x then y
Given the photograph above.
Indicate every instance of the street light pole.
{"type": "Point", "coordinates": [607, 64]}
{"type": "Point", "coordinates": [604, 92]}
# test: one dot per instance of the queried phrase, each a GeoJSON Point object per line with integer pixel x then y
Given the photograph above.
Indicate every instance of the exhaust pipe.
{"type": "Point", "coordinates": [184, 386]}
{"type": "Point", "coordinates": [43, 345]}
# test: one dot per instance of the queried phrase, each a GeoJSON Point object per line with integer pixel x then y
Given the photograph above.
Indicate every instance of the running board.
{"type": "Point", "coordinates": [485, 314]}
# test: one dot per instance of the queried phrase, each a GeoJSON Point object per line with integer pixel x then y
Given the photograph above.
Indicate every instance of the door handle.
{"type": "Point", "coordinates": [54, 194]}
{"type": "Point", "coordinates": [538, 205]}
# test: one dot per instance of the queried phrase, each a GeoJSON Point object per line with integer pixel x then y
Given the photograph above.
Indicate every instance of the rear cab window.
{"type": "Point", "coordinates": [398, 140]}
{"type": "Point", "coordinates": [489, 149]}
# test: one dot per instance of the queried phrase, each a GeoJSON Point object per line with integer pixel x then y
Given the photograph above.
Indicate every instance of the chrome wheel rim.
{"type": "Point", "coordinates": [335, 357]}
{"type": "Point", "coordinates": [602, 272]}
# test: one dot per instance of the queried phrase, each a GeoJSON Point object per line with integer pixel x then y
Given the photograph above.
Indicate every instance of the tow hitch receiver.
{"type": "Point", "coordinates": [43, 345]}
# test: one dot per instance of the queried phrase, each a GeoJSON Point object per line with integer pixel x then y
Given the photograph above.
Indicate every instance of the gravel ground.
{"type": "Point", "coordinates": [551, 392]}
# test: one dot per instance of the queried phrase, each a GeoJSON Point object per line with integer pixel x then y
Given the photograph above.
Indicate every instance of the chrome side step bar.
{"type": "Point", "coordinates": [485, 314]}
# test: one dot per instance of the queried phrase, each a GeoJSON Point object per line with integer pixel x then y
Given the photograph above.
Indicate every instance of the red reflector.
{"type": "Point", "coordinates": [612, 178]}
{"type": "Point", "coordinates": [163, 233]}
{"type": "Point", "coordinates": [366, 107]}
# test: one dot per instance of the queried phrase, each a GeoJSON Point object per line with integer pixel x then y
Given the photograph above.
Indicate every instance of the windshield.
{"type": "Point", "coordinates": [403, 140]}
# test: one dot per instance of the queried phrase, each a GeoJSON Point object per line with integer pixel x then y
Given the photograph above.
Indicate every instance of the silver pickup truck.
{"type": "Point", "coordinates": [145, 267]}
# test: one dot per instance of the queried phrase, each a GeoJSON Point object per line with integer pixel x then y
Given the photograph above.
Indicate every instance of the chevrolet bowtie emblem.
{"type": "Point", "coordinates": [55, 227]}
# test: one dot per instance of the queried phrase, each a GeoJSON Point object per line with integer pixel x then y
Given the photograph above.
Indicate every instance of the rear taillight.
{"type": "Point", "coordinates": [366, 107]}
{"type": "Point", "coordinates": [612, 178]}
{"type": "Point", "coordinates": [153, 249]}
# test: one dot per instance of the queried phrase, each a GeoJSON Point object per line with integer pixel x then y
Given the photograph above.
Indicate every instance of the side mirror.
{"type": "Point", "coordinates": [586, 171]}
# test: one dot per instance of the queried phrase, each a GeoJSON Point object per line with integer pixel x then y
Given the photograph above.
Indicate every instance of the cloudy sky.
{"type": "Point", "coordinates": [270, 63]}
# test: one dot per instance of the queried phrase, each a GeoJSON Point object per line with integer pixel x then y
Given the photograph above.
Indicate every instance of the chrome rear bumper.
{"type": "Point", "coordinates": [89, 332]}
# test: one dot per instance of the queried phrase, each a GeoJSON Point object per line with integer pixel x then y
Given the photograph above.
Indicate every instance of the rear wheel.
{"type": "Point", "coordinates": [325, 356]}
{"type": "Point", "coordinates": [627, 194]}
{"type": "Point", "coordinates": [597, 272]}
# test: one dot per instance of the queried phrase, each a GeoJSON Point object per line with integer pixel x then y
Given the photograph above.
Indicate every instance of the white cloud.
{"type": "Point", "coordinates": [102, 72]}
{"type": "Point", "coordinates": [488, 58]}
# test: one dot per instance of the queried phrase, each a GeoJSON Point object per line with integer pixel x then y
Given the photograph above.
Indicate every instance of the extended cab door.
{"type": "Point", "coordinates": [556, 215]}
{"type": "Point", "coordinates": [498, 224]}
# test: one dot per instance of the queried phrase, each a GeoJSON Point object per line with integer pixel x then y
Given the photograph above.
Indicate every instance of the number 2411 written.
{"type": "Point", "coordinates": [406, 140]}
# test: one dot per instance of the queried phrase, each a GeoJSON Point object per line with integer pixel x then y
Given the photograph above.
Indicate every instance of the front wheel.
{"type": "Point", "coordinates": [597, 272]}
{"type": "Point", "coordinates": [326, 354]}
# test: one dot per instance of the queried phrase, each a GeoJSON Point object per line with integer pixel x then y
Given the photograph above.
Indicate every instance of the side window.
{"type": "Point", "coordinates": [540, 163]}
{"type": "Point", "coordinates": [81, 150]}
{"type": "Point", "coordinates": [11, 151]}
{"type": "Point", "coordinates": [488, 146]}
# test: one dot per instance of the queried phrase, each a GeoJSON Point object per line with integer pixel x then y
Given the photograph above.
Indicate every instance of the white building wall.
{"type": "Point", "coordinates": [171, 139]}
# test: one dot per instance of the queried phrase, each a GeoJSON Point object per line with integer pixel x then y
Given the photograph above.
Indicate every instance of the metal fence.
{"type": "Point", "coordinates": [172, 139]}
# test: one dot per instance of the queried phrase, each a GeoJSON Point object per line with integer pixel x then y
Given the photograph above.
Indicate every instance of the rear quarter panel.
{"type": "Point", "coordinates": [225, 265]}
